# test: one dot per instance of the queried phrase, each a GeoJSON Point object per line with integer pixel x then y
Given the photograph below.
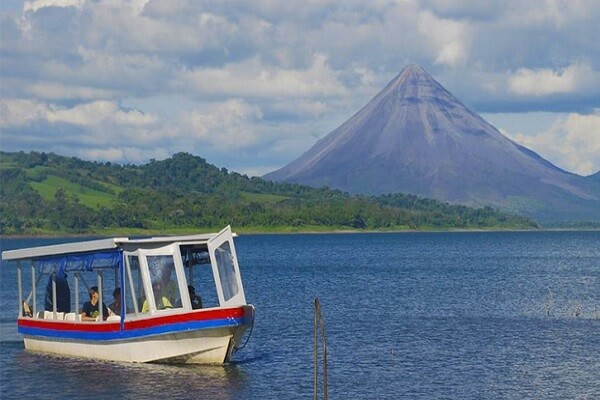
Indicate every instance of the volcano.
{"type": "Point", "coordinates": [416, 137]}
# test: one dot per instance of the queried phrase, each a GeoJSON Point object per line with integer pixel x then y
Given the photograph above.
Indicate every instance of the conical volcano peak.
{"type": "Point", "coordinates": [414, 84]}
{"type": "Point", "coordinates": [411, 74]}
{"type": "Point", "coordinates": [416, 137]}
{"type": "Point", "coordinates": [414, 69]}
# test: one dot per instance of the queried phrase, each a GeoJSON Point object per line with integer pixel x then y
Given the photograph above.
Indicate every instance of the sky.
{"type": "Point", "coordinates": [251, 85]}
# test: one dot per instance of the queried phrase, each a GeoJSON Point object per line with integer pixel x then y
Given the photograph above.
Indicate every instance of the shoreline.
{"type": "Point", "coordinates": [242, 232]}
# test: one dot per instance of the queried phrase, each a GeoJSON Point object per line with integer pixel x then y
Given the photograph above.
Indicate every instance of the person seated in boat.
{"type": "Point", "coordinates": [194, 299]}
{"type": "Point", "coordinates": [90, 310]}
{"type": "Point", "coordinates": [169, 287]}
{"type": "Point", "coordinates": [160, 300]}
{"type": "Point", "coordinates": [115, 306]}
{"type": "Point", "coordinates": [63, 294]}
{"type": "Point", "coordinates": [27, 310]}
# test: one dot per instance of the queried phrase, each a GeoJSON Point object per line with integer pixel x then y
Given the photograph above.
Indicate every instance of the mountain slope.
{"type": "Point", "coordinates": [416, 137]}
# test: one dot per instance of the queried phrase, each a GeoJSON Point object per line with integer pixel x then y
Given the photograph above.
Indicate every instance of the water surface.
{"type": "Point", "coordinates": [508, 315]}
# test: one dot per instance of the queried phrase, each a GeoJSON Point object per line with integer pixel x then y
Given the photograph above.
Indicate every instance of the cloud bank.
{"type": "Point", "coordinates": [251, 85]}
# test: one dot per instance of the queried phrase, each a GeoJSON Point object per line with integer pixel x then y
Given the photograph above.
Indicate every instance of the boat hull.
{"type": "Point", "coordinates": [199, 337]}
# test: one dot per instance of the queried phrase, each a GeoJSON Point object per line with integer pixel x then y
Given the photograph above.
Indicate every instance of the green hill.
{"type": "Point", "coordinates": [44, 193]}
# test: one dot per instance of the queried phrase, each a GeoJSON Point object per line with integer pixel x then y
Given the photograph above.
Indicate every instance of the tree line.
{"type": "Point", "coordinates": [185, 191]}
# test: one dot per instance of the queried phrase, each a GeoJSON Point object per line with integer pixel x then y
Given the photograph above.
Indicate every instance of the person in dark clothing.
{"type": "Point", "coordinates": [194, 299]}
{"type": "Point", "coordinates": [115, 306]}
{"type": "Point", "coordinates": [63, 294]}
{"type": "Point", "coordinates": [90, 310]}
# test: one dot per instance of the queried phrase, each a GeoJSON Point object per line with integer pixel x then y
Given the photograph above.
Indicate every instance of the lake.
{"type": "Point", "coordinates": [482, 315]}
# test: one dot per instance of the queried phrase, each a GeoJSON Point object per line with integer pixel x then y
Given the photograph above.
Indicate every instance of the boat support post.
{"type": "Point", "coordinates": [76, 297]}
{"type": "Point", "coordinates": [33, 285]}
{"type": "Point", "coordinates": [100, 307]}
{"type": "Point", "coordinates": [54, 295]}
{"type": "Point", "coordinates": [20, 288]}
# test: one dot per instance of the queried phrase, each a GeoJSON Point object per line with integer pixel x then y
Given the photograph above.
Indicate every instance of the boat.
{"type": "Point", "coordinates": [146, 325]}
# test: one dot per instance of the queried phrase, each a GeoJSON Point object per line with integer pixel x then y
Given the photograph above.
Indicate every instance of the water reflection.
{"type": "Point", "coordinates": [73, 377]}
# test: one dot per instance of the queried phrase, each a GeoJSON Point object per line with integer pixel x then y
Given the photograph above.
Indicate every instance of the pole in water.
{"type": "Point", "coordinates": [320, 326]}
{"type": "Point", "coordinates": [316, 349]}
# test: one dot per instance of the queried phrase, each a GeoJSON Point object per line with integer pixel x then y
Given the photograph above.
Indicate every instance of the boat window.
{"type": "Point", "coordinates": [163, 278]}
{"type": "Point", "coordinates": [134, 297]}
{"type": "Point", "coordinates": [226, 270]}
{"type": "Point", "coordinates": [200, 276]}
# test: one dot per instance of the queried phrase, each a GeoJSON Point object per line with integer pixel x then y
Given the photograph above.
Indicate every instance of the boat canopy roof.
{"type": "Point", "coordinates": [61, 264]}
{"type": "Point", "coordinates": [107, 246]}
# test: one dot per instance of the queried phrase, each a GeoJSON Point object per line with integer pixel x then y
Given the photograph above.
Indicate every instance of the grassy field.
{"type": "Point", "coordinates": [88, 197]}
{"type": "Point", "coordinates": [262, 198]}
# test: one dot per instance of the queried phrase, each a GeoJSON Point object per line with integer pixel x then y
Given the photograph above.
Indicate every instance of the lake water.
{"type": "Point", "coordinates": [502, 315]}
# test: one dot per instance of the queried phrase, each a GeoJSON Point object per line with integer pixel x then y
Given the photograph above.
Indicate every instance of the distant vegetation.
{"type": "Point", "coordinates": [43, 193]}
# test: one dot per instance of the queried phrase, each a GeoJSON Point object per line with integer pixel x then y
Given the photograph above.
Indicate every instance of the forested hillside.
{"type": "Point", "coordinates": [50, 194]}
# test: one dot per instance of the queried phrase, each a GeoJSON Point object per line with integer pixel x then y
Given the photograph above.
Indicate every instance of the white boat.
{"type": "Point", "coordinates": [157, 319]}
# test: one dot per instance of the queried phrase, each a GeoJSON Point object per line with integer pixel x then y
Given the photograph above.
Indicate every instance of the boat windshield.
{"type": "Point", "coordinates": [226, 269]}
{"type": "Point", "coordinates": [163, 277]}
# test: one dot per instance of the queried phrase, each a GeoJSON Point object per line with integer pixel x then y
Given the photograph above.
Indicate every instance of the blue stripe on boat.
{"type": "Point", "coordinates": [134, 333]}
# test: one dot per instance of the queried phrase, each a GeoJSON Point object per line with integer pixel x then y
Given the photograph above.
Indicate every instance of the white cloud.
{"type": "Point", "coordinates": [134, 31]}
{"type": "Point", "coordinates": [125, 152]}
{"type": "Point", "coordinates": [583, 135]}
{"type": "Point", "coordinates": [466, 9]}
{"type": "Point", "coordinates": [98, 113]}
{"type": "Point", "coordinates": [449, 38]}
{"type": "Point", "coordinates": [225, 126]}
{"type": "Point", "coordinates": [60, 91]}
{"type": "Point", "coordinates": [39, 4]}
{"type": "Point", "coordinates": [252, 78]}
{"type": "Point", "coordinates": [572, 142]}
{"type": "Point", "coordinates": [543, 82]}
{"type": "Point", "coordinates": [558, 14]}
{"type": "Point", "coordinates": [20, 112]}
{"type": "Point", "coordinates": [94, 124]}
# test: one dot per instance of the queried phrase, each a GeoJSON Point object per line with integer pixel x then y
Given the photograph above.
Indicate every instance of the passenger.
{"type": "Point", "coordinates": [169, 287]}
{"type": "Point", "coordinates": [90, 310]}
{"type": "Point", "coordinates": [27, 310]}
{"type": "Point", "coordinates": [115, 306]}
{"type": "Point", "coordinates": [161, 301]}
{"type": "Point", "coordinates": [63, 294]}
{"type": "Point", "coordinates": [194, 299]}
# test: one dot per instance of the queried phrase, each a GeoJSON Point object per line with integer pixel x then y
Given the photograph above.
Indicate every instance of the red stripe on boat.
{"type": "Point", "coordinates": [199, 315]}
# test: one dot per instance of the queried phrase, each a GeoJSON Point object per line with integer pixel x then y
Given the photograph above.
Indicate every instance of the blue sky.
{"type": "Point", "coordinates": [251, 85]}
